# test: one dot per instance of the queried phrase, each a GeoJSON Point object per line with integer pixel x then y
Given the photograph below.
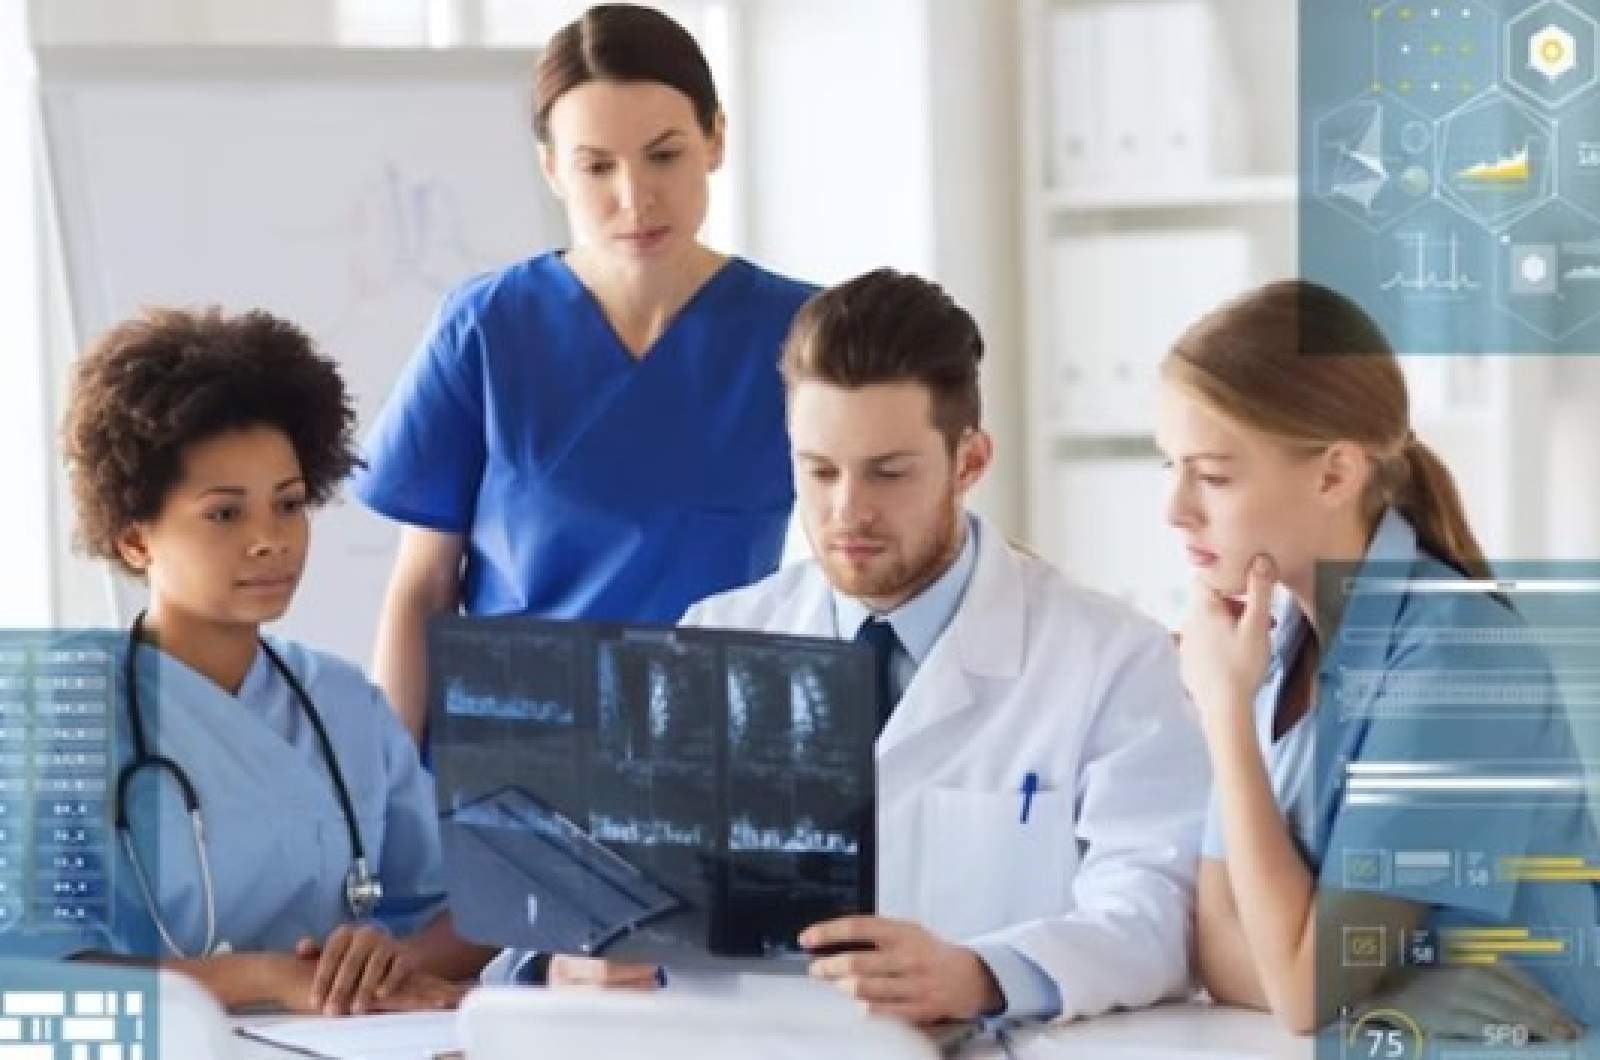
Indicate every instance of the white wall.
{"type": "Point", "coordinates": [973, 161]}
{"type": "Point", "coordinates": [836, 132]}
{"type": "Point", "coordinates": [24, 438]}
{"type": "Point", "coordinates": [182, 22]}
{"type": "Point", "coordinates": [884, 133]}
{"type": "Point", "coordinates": [1572, 491]}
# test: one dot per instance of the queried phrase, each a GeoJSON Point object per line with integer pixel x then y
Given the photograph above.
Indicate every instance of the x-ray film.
{"type": "Point", "coordinates": [688, 795]}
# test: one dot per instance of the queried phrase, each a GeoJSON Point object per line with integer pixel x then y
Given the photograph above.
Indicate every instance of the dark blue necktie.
{"type": "Point", "coordinates": [878, 635]}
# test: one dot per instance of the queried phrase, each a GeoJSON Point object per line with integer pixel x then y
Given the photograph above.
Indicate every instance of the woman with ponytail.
{"type": "Point", "coordinates": [1285, 420]}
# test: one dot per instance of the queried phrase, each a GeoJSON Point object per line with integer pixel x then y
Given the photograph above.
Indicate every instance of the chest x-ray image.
{"type": "Point", "coordinates": [683, 795]}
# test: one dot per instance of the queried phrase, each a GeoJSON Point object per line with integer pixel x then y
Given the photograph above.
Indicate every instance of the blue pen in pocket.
{"type": "Point", "coordinates": [1030, 786]}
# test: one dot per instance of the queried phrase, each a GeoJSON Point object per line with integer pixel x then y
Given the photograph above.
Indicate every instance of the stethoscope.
{"type": "Point", "coordinates": [362, 890]}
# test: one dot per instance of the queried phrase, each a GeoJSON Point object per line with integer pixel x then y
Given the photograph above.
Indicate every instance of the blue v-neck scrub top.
{"type": "Point", "coordinates": [588, 483]}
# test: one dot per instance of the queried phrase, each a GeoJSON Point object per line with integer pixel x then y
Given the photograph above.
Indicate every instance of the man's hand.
{"type": "Point", "coordinates": [901, 969]}
{"type": "Point", "coordinates": [568, 970]}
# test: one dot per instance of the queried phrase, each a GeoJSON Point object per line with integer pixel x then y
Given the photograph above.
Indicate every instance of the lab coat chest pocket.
{"type": "Point", "coordinates": [983, 868]}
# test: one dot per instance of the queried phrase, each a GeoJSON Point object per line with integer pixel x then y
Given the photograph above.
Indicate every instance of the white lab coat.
{"type": "Point", "coordinates": [1033, 674]}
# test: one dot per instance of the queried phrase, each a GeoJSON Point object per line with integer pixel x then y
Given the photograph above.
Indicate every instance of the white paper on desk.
{"type": "Point", "coordinates": [398, 1036]}
{"type": "Point", "coordinates": [1044, 1049]}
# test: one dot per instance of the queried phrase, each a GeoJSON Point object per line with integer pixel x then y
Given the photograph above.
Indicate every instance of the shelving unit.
{"type": "Point", "coordinates": [1203, 232]}
{"type": "Point", "coordinates": [1116, 265]}
{"type": "Point", "coordinates": [1218, 193]}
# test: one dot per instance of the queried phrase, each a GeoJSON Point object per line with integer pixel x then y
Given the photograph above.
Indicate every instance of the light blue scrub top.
{"type": "Point", "coordinates": [1289, 759]}
{"type": "Point", "coordinates": [1398, 633]}
{"type": "Point", "coordinates": [275, 836]}
{"type": "Point", "coordinates": [591, 484]}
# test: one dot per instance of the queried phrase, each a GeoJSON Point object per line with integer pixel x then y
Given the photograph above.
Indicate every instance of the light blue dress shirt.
{"type": "Point", "coordinates": [918, 624]}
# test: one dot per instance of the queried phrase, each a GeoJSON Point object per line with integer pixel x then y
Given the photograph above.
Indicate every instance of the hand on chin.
{"type": "Point", "coordinates": [1227, 580]}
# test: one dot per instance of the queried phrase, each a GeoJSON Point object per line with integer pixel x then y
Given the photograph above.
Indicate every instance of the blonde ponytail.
{"type": "Point", "coordinates": [1430, 501]}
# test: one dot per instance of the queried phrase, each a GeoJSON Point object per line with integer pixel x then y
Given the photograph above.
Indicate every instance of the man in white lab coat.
{"type": "Point", "coordinates": [1040, 780]}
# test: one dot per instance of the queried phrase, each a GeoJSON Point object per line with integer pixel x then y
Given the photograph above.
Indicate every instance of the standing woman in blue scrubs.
{"type": "Point", "coordinates": [595, 432]}
{"type": "Point", "coordinates": [1285, 418]}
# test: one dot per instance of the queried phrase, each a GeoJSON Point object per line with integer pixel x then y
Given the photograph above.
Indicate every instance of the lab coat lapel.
{"type": "Point", "coordinates": [984, 640]}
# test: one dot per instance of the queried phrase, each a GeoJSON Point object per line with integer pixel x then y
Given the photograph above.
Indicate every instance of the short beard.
{"type": "Point", "coordinates": [912, 574]}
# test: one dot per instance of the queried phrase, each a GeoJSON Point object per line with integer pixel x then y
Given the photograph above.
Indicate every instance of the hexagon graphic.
{"type": "Point", "coordinates": [1547, 275]}
{"type": "Point", "coordinates": [1374, 160]}
{"type": "Point", "coordinates": [1495, 160]}
{"type": "Point", "coordinates": [1437, 255]}
{"type": "Point", "coordinates": [1434, 56]}
{"type": "Point", "coordinates": [1550, 52]}
{"type": "Point", "coordinates": [1578, 156]}
{"type": "Point", "coordinates": [1553, 52]}
{"type": "Point", "coordinates": [1430, 282]}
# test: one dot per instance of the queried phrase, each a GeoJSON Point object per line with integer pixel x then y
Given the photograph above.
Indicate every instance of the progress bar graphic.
{"type": "Point", "coordinates": [1549, 870]}
{"type": "Point", "coordinates": [1486, 946]}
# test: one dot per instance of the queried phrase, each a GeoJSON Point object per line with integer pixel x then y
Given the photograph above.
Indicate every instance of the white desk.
{"type": "Point", "coordinates": [1166, 1032]}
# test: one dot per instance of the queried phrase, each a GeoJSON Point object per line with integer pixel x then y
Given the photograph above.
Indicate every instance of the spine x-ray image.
{"type": "Point", "coordinates": [670, 794]}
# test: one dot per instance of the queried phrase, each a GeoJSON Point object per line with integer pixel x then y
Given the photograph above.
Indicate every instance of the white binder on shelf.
{"type": "Point", "coordinates": [1141, 93]}
{"type": "Point", "coordinates": [1197, 131]}
{"type": "Point", "coordinates": [1111, 533]}
{"type": "Point", "coordinates": [1128, 90]}
{"type": "Point", "coordinates": [1077, 150]}
{"type": "Point", "coordinates": [1078, 332]}
{"type": "Point", "coordinates": [1121, 300]}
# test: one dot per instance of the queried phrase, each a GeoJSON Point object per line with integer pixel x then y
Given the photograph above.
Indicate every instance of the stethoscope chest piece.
{"type": "Point", "coordinates": [362, 890]}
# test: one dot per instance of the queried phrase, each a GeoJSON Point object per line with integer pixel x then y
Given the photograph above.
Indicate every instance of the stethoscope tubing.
{"type": "Point", "coordinates": [362, 889]}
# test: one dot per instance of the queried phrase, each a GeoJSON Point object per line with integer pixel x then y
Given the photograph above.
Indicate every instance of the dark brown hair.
{"type": "Point", "coordinates": [1307, 365]}
{"type": "Point", "coordinates": [623, 42]}
{"type": "Point", "coordinates": [888, 327]}
{"type": "Point", "coordinates": [157, 384]}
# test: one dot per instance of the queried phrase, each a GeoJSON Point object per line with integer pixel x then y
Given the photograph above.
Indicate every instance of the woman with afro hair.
{"type": "Point", "coordinates": [198, 444]}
